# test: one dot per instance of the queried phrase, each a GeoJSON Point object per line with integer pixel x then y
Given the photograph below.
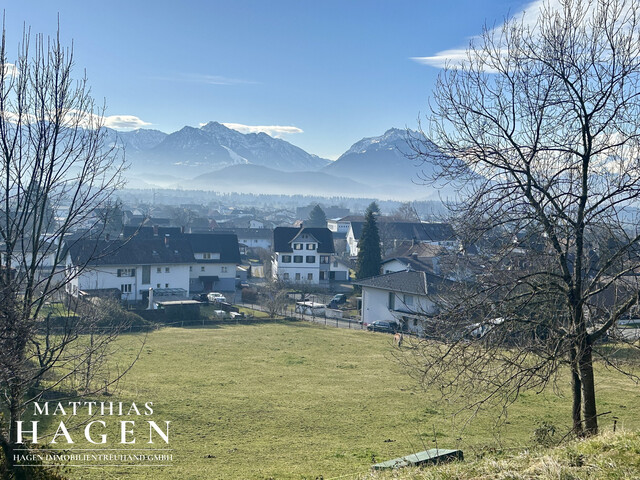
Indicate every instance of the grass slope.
{"type": "Point", "coordinates": [608, 456]}
{"type": "Point", "coordinates": [294, 400]}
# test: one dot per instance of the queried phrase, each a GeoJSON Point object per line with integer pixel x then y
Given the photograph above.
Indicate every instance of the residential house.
{"type": "Point", "coordinates": [132, 266]}
{"type": "Point", "coordinates": [250, 238]}
{"type": "Point", "coordinates": [394, 233]}
{"type": "Point", "coordinates": [216, 257]}
{"type": "Point", "coordinates": [407, 297]}
{"type": "Point", "coordinates": [302, 255]}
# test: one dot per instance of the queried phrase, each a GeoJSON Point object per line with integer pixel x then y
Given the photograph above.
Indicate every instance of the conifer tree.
{"type": "Point", "coordinates": [369, 254]}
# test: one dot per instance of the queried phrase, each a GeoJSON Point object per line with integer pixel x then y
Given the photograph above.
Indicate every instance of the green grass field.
{"type": "Point", "coordinates": [295, 400]}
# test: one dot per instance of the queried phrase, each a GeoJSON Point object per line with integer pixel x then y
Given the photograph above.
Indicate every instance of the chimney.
{"type": "Point", "coordinates": [150, 307]}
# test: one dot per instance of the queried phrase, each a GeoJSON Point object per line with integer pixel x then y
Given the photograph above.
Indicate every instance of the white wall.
{"type": "Point", "coordinates": [375, 306]}
{"type": "Point", "coordinates": [102, 277]}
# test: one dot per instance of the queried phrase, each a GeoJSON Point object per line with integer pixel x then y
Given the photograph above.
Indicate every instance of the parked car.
{"type": "Point", "coordinates": [200, 297]}
{"type": "Point", "coordinates": [338, 299]}
{"type": "Point", "coordinates": [384, 326]}
{"type": "Point", "coordinates": [216, 297]}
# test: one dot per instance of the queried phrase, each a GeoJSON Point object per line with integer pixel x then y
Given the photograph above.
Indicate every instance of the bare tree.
{"type": "Point", "coordinates": [539, 129]}
{"type": "Point", "coordinates": [55, 172]}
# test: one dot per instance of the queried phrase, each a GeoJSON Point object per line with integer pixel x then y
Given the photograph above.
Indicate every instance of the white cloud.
{"type": "Point", "coordinates": [124, 122]}
{"type": "Point", "coordinates": [9, 70]}
{"type": "Point", "coordinates": [275, 131]}
{"type": "Point", "coordinates": [452, 57]}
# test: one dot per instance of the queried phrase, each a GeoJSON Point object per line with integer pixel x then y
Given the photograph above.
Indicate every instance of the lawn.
{"type": "Point", "coordinates": [296, 400]}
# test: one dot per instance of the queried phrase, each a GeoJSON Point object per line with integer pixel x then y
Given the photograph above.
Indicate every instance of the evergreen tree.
{"type": "Point", "coordinates": [317, 218]}
{"type": "Point", "coordinates": [369, 255]}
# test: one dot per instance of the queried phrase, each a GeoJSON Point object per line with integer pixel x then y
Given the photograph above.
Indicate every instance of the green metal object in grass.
{"type": "Point", "coordinates": [433, 456]}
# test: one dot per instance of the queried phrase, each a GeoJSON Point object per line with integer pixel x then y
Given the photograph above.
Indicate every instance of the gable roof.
{"type": "Point", "coordinates": [135, 251]}
{"type": "Point", "coordinates": [419, 264]}
{"type": "Point", "coordinates": [406, 281]}
{"type": "Point", "coordinates": [283, 236]}
{"type": "Point", "coordinates": [226, 244]}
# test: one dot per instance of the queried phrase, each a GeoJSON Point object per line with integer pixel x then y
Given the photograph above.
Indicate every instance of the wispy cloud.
{"type": "Point", "coordinates": [452, 57]}
{"type": "Point", "coordinates": [9, 70]}
{"type": "Point", "coordinates": [275, 131]}
{"type": "Point", "coordinates": [206, 79]}
{"type": "Point", "coordinates": [124, 122]}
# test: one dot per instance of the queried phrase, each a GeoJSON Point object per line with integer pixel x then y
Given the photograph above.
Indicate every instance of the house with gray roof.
{"type": "Point", "coordinates": [302, 255]}
{"type": "Point", "coordinates": [216, 257]}
{"type": "Point", "coordinates": [407, 297]}
{"type": "Point", "coordinates": [131, 266]}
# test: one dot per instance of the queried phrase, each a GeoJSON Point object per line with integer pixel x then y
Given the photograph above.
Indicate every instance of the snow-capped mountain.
{"type": "Point", "coordinates": [193, 151]}
{"type": "Point", "coordinates": [135, 140]}
{"type": "Point", "coordinates": [379, 160]}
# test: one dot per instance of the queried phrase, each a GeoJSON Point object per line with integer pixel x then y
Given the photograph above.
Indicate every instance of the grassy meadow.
{"type": "Point", "coordinates": [296, 400]}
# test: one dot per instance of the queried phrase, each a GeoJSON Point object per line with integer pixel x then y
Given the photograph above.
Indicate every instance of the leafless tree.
{"type": "Point", "coordinates": [539, 130]}
{"type": "Point", "coordinates": [55, 172]}
{"type": "Point", "coordinates": [275, 297]}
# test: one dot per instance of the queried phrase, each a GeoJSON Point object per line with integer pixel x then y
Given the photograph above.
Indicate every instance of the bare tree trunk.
{"type": "Point", "coordinates": [576, 389]}
{"type": "Point", "coordinates": [589, 414]}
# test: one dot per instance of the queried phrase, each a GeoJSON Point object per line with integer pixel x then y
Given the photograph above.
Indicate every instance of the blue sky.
{"type": "Point", "coordinates": [330, 71]}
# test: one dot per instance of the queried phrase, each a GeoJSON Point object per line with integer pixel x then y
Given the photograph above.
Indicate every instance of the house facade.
{"type": "Point", "coordinates": [216, 257]}
{"type": "Point", "coordinates": [130, 266]}
{"type": "Point", "coordinates": [302, 255]}
{"type": "Point", "coordinates": [405, 297]}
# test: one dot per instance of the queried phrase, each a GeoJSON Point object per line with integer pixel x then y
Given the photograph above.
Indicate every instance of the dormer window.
{"type": "Point", "coordinates": [297, 246]}
{"type": "Point", "coordinates": [311, 246]}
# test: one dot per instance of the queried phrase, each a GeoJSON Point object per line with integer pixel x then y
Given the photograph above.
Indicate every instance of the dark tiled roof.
{"type": "Point", "coordinates": [282, 237]}
{"type": "Point", "coordinates": [136, 251]}
{"type": "Point", "coordinates": [407, 281]}
{"type": "Point", "coordinates": [226, 244]}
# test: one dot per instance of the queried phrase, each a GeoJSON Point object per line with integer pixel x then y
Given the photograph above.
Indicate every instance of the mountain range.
{"type": "Point", "coordinates": [214, 157]}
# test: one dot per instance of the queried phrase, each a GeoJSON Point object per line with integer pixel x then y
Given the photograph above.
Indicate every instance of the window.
{"type": "Point", "coordinates": [335, 264]}
{"type": "Point", "coordinates": [408, 300]}
{"type": "Point", "coordinates": [166, 285]}
{"type": "Point", "coordinates": [285, 276]}
{"type": "Point", "coordinates": [146, 274]}
{"type": "Point", "coordinates": [166, 270]}
{"type": "Point", "coordinates": [157, 285]}
{"type": "Point", "coordinates": [202, 269]}
{"type": "Point", "coordinates": [311, 246]}
{"type": "Point", "coordinates": [206, 256]}
{"type": "Point", "coordinates": [297, 276]}
{"type": "Point", "coordinates": [126, 272]}
{"type": "Point", "coordinates": [310, 276]}
{"type": "Point", "coordinates": [323, 275]}
{"type": "Point", "coordinates": [392, 301]}
{"type": "Point", "coordinates": [190, 268]}
{"type": "Point", "coordinates": [297, 246]}
{"type": "Point", "coordinates": [286, 258]}
{"type": "Point", "coordinates": [311, 259]}
{"type": "Point", "coordinates": [297, 259]}
{"type": "Point", "coordinates": [223, 269]}
{"type": "Point", "coordinates": [324, 259]}
{"type": "Point", "coordinates": [158, 270]}
{"type": "Point", "coordinates": [125, 288]}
